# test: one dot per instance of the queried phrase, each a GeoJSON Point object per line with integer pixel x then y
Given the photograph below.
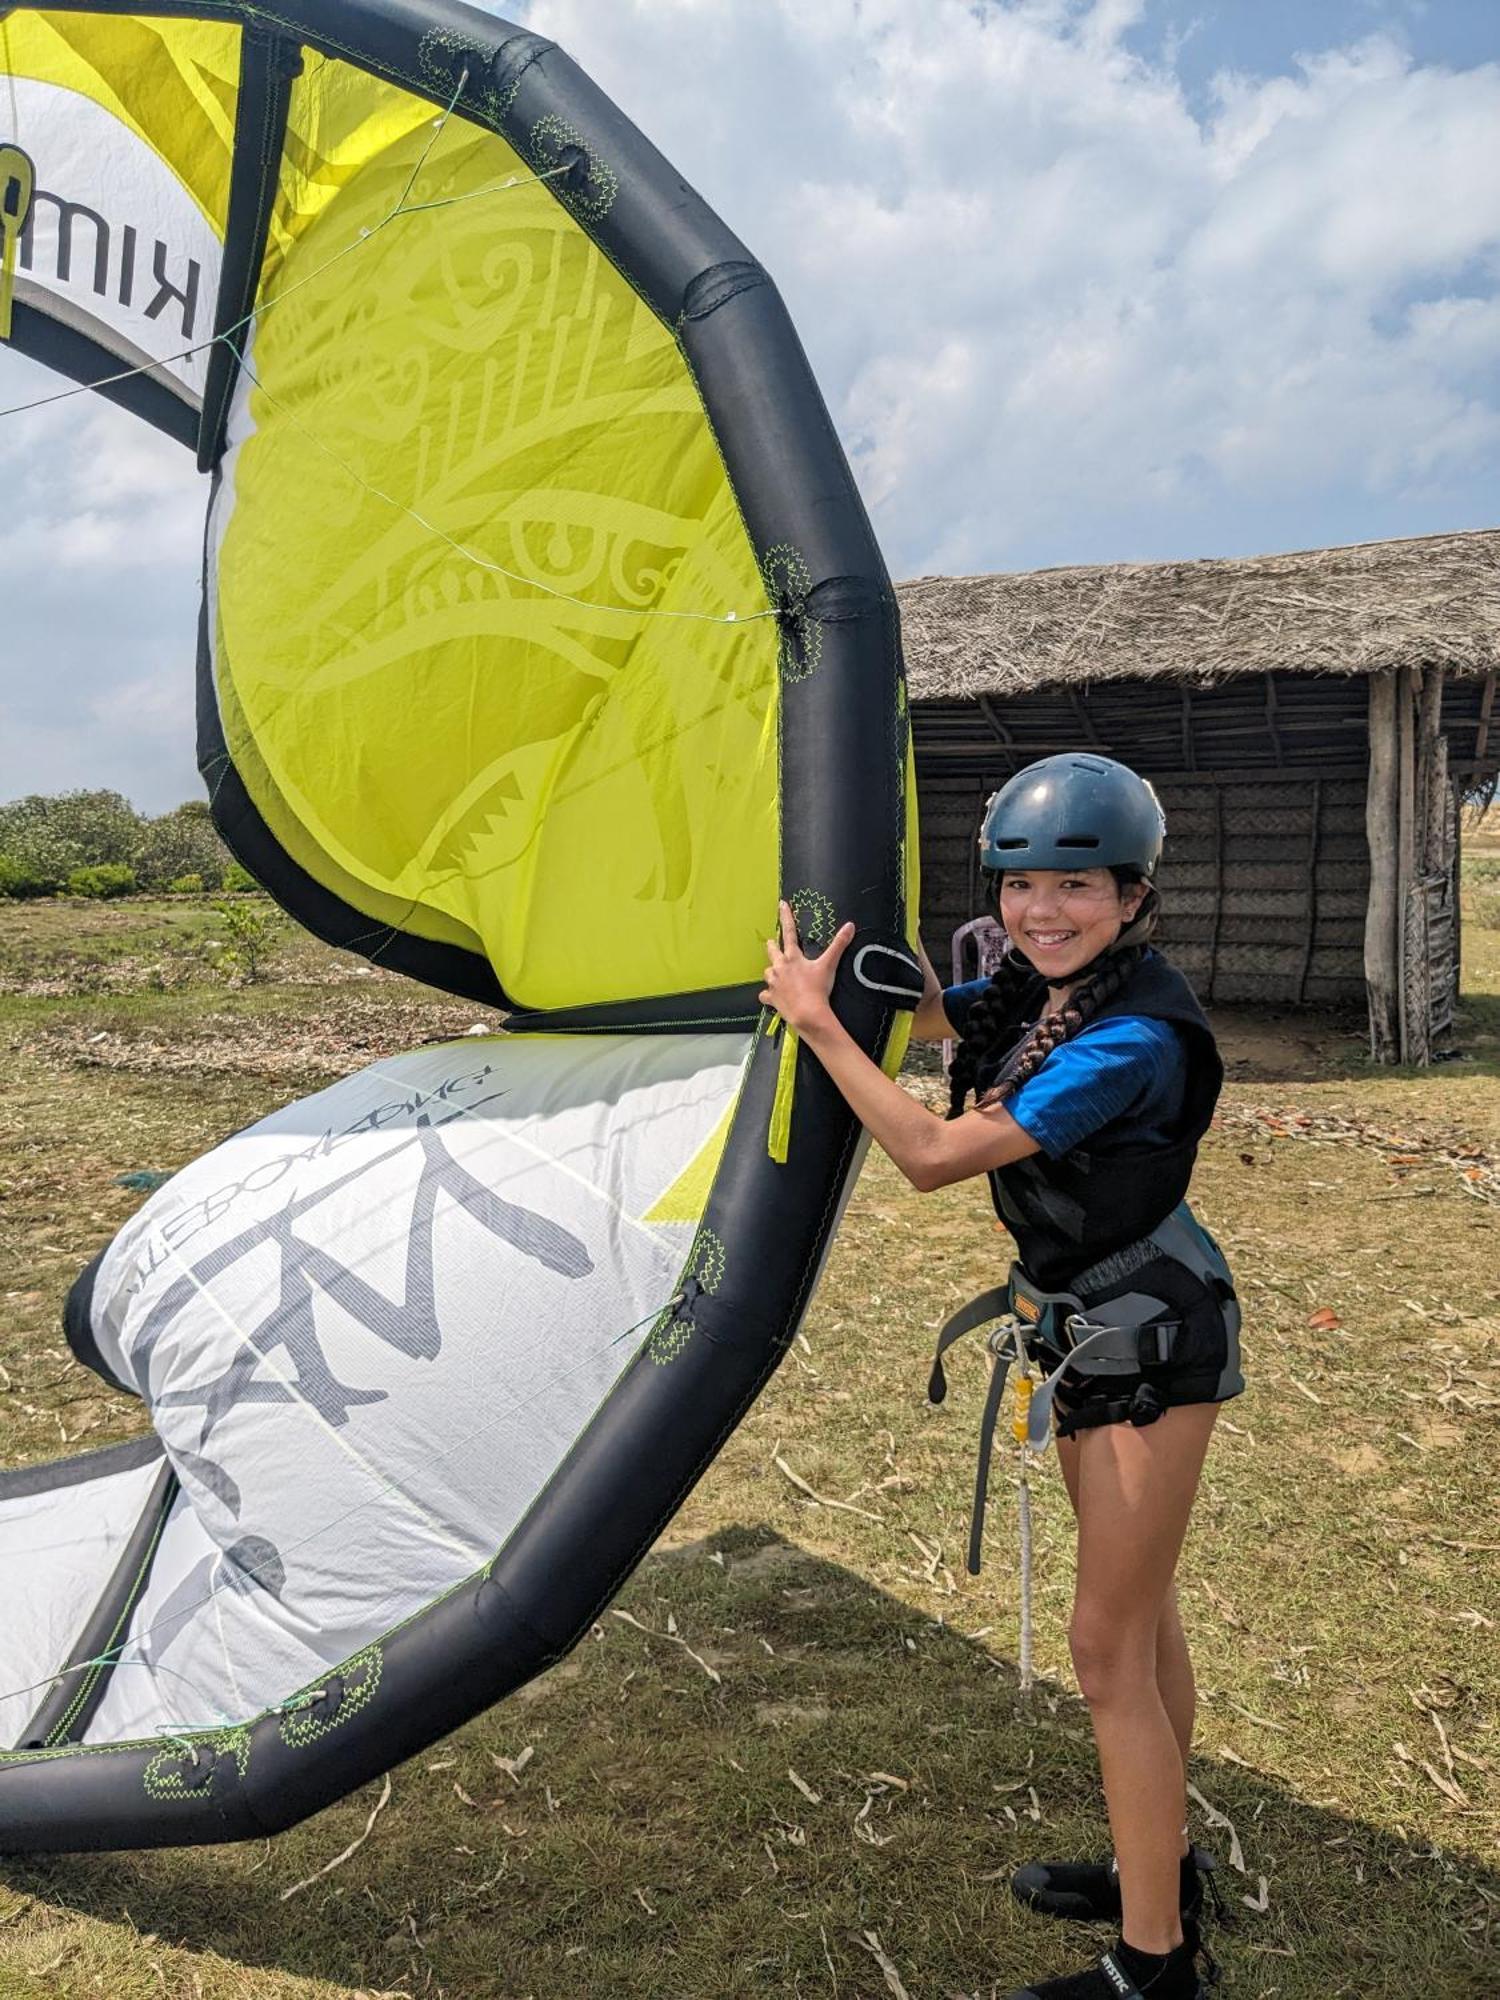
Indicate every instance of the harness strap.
{"type": "Point", "coordinates": [1058, 1351]}
{"type": "Point", "coordinates": [1039, 1432]}
{"type": "Point", "coordinates": [978, 1312]}
{"type": "Point", "coordinates": [1003, 1356]}
{"type": "Point", "coordinates": [1140, 1408]}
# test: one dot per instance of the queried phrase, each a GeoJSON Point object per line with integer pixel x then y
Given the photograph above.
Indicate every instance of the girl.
{"type": "Point", "coordinates": [1095, 1076]}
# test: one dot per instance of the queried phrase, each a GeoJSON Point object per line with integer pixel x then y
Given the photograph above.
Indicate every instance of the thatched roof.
{"type": "Point", "coordinates": [1434, 600]}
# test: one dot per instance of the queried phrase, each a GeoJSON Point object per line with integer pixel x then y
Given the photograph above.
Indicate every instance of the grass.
{"type": "Point", "coordinates": [1339, 1582]}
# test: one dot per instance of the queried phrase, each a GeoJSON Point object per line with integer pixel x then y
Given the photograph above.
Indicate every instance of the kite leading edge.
{"type": "Point", "coordinates": [544, 646]}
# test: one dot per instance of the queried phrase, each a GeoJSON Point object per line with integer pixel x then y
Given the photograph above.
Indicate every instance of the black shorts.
{"type": "Point", "coordinates": [1208, 1371]}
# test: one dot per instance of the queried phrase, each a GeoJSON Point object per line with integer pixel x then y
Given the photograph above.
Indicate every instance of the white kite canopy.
{"type": "Point", "coordinates": [368, 1330]}
{"type": "Point", "coordinates": [544, 647]}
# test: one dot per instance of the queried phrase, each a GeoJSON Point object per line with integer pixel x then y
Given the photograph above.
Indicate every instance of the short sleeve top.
{"type": "Point", "coordinates": [1119, 1083]}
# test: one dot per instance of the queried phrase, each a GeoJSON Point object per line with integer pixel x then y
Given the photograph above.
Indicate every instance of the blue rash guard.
{"type": "Point", "coordinates": [1120, 1082]}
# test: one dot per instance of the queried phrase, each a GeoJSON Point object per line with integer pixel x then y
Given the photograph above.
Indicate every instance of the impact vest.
{"type": "Point", "coordinates": [1068, 1214]}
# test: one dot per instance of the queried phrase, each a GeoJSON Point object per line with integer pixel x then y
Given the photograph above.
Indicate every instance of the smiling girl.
{"type": "Point", "coordinates": [1095, 1075]}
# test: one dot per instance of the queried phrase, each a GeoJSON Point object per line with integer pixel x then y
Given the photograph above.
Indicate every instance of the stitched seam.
{"type": "Point", "coordinates": [127, 1610]}
{"type": "Point", "coordinates": [660, 1027]}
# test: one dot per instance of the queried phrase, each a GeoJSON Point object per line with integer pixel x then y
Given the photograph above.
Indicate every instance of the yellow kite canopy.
{"type": "Point", "coordinates": [495, 646]}
{"type": "Point", "coordinates": [544, 646]}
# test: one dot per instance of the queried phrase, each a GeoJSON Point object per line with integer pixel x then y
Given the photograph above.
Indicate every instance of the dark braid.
{"type": "Point", "coordinates": [990, 1023]}
{"type": "Point", "coordinates": [995, 1013]}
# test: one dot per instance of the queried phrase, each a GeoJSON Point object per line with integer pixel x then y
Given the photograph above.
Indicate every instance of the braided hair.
{"type": "Point", "coordinates": [996, 1013]}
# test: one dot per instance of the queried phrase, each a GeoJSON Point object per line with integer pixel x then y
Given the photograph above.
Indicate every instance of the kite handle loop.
{"type": "Point", "coordinates": [883, 966]}
{"type": "Point", "coordinates": [17, 190]}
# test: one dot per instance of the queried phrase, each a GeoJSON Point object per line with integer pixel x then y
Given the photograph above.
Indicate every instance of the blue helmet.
{"type": "Point", "coordinates": [1073, 811]}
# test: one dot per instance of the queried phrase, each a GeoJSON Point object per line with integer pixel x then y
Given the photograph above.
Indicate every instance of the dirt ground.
{"type": "Point", "coordinates": [794, 1760]}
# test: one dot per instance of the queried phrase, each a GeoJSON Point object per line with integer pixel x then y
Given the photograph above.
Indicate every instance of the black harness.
{"type": "Point", "coordinates": [1119, 1297]}
{"type": "Point", "coordinates": [1119, 1348]}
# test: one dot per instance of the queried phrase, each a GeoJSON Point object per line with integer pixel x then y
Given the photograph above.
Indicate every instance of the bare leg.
{"type": "Point", "coordinates": [1135, 1489]}
{"type": "Point", "coordinates": [1174, 1678]}
{"type": "Point", "coordinates": [1174, 1666]}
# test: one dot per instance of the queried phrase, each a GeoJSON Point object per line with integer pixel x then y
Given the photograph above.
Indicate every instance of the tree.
{"type": "Point", "coordinates": [50, 837]}
{"type": "Point", "coordinates": [181, 842]}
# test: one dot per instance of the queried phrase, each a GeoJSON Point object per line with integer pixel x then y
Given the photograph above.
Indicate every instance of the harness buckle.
{"type": "Point", "coordinates": [1146, 1405]}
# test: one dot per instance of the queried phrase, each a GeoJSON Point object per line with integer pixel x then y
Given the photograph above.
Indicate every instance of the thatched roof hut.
{"type": "Point", "coordinates": [1307, 718]}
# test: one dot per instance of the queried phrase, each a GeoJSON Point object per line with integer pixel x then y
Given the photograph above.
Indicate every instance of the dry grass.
{"type": "Point", "coordinates": [1433, 600]}
{"type": "Point", "coordinates": [799, 1765]}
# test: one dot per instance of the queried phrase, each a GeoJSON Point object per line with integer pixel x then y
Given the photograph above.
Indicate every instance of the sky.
{"type": "Point", "coordinates": [1081, 280]}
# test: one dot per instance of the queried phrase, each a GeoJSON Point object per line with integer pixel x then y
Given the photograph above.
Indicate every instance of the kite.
{"type": "Point", "coordinates": [544, 645]}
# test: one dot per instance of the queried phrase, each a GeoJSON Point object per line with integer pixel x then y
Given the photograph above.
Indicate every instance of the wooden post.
{"type": "Point", "coordinates": [1310, 937]}
{"type": "Point", "coordinates": [1423, 921]}
{"type": "Point", "coordinates": [1218, 916]}
{"type": "Point", "coordinates": [1482, 732]}
{"type": "Point", "coordinates": [1382, 819]}
{"type": "Point", "coordinates": [1456, 883]}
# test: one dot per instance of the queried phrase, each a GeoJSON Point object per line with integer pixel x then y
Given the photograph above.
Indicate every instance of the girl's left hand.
{"type": "Point", "coordinates": [798, 987]}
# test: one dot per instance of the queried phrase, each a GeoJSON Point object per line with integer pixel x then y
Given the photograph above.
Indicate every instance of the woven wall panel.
{"type": "Point", "coordinates": [1250, 915]}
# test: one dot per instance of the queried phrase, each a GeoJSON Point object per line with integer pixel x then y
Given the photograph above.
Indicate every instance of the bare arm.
{"type": "Point", "coordinates": [930, 1151]}
{"type": "Point", "coordinates": [930, 1023]}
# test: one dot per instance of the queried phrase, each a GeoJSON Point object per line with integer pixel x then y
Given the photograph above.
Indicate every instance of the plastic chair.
{"type": "Point", "coordinates": [978, 948]}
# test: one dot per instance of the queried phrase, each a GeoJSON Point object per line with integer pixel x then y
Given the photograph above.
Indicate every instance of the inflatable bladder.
{"type": "Point", "coordinates": [544, 646]}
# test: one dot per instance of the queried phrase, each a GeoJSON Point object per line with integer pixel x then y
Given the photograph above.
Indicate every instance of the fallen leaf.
{"type": "Point", "coordinates": [870, 1940]}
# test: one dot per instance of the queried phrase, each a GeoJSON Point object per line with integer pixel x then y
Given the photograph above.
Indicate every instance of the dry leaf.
{"type": "Point", "coordinates": [1216, 1818]}
{"type": "Point", "coordinates": [870, 1940]}
{"type": "Point", "coordinates": [1262, 1901]}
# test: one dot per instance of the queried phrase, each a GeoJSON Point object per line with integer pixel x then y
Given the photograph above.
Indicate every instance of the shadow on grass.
{"type": "Point", "coordinates": [740, 1808]}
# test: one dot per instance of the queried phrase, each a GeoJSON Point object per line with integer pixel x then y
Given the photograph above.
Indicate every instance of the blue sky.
{"type": "Point", "coordinates": [1265, 37]}
{"type": "Point", "coordinates": [1083, 280]}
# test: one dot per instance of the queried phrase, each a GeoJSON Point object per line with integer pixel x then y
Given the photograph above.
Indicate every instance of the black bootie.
{"type": "Point", "coordinates": [1090, 1890]}
{"type": "Point", "coordinates": [1124, 1974]}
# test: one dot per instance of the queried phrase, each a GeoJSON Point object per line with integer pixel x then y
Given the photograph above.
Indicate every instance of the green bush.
{"type": "Point", "coordinates": [184, 841]}
{"type": "Point", "coordinates": [18, 880]}
{"type": "Point", "coordinates": [238, 881]}
{"type": "Point", "coordinates": [106, 878]}
{"type": "Point", "coordinates": [186, 885]}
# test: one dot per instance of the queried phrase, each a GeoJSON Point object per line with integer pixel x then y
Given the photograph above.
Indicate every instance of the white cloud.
{"type": "Point", "coordinates": [1056, 315]}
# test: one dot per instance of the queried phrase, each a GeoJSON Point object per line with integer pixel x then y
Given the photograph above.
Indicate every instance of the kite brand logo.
{"type": "Point", "coordinates": [111, 258]}
{"type": "Point", "coordinates": [17, 185]}
{"type": "Point", "coordinates": [309, 1271]}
